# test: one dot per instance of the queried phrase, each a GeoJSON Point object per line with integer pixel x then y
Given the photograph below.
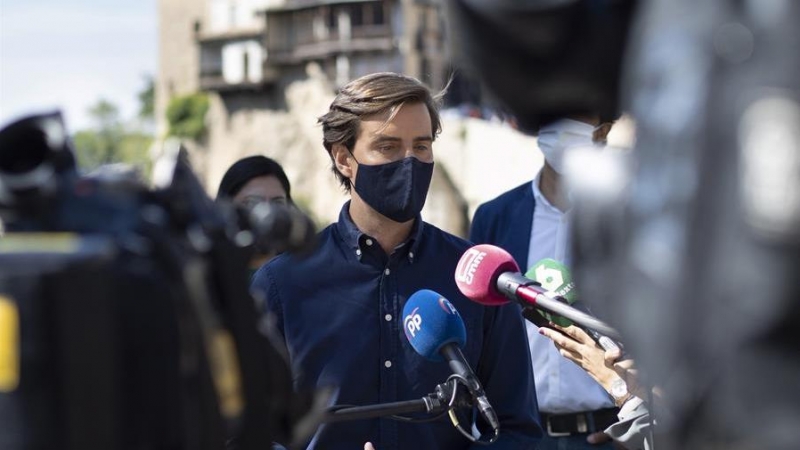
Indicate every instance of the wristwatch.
{"type": "Point", "coordinates": [619, 390]}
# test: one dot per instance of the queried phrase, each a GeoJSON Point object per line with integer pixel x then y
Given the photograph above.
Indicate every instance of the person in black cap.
{"type": "Point", "coordinates": [253, 180]}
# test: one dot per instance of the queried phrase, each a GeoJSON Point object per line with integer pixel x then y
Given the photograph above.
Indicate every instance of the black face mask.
{"type": "Point", "coordinates": [397, 189]}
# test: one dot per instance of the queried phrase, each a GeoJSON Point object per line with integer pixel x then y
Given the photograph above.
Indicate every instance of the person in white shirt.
{"type": "Point", "coordinates": [532, 222]}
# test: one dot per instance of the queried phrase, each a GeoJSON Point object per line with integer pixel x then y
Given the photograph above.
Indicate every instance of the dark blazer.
{"type": "Point", "coordinates": [506, 222]}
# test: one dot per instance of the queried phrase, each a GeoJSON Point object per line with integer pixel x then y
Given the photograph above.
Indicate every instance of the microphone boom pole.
{"type": "Point", "coordinates": [430, 404]}
{"type": "Point", "coordinates": [526, 289]}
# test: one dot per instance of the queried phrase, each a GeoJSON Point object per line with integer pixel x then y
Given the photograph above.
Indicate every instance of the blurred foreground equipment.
{"type": "Point", "coordinates": [692, 246]}
{"type": "Point", "coordinates": [544, 59]}
{"type": "Point", "coordinates": [125, 320]}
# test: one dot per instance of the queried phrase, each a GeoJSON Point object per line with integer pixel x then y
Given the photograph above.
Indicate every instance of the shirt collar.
{"type": "Point", "coordinates": [540, 199]}
{"type": "Point", "coordinates": [355, 239]}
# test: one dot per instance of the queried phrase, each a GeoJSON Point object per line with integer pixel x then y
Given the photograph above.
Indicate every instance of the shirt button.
{"type": "Point", "coordinates": [410, 254]}
{"type": "Point", "coordinates": [387, 364]}
{"type": "Point", "coordinates": [388, 317]}
{"type": "Point", "coordinates": [358, 252]}
{"type": "Point", "coordinates": [369, 242]}
{"type": "Point", "coordinates": [387, 271]}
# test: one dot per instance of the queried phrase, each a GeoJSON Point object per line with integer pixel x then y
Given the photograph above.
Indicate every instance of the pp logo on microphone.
{"type": "Point", "coordinates": [468, 264]}
{"type": "Point", "coordinates": [412, 323]}
{"type": "Point", "coordinates": [447, 306]}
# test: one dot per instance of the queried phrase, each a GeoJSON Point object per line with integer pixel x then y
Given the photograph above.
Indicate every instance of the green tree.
{"type": "Point", "coordinates": [147, 100]}
{"type": "Point", "coordinates": [186, 116]}
{"type": "Point", "coordinates": [100, 144]}
{"type": "Point", "coordinates": [110, 141]}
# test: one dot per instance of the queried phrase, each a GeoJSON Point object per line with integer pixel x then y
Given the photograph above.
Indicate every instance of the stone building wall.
{"type": "Point", "coordinates": [178, 54]}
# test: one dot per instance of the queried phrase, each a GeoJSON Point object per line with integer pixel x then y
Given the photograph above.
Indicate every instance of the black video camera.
{"type": "Point", "coordinates": [125, 317]}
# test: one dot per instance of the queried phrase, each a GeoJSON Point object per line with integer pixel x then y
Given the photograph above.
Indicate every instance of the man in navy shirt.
{"type": "Point", "coordinates": [339, 310]}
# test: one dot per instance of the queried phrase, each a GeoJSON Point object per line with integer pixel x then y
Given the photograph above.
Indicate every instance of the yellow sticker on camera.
{"type": "Point", "coordinates": [20, 242]}
{"type": "Point", "coordinates": [9, 345]}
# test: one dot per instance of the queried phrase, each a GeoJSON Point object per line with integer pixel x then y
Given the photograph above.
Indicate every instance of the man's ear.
{"type": "Point", "coordinates": [342, 159]}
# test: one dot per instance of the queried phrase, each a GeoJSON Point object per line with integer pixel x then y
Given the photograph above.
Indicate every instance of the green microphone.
{"type": "Point", "coordinates": [556, 278]}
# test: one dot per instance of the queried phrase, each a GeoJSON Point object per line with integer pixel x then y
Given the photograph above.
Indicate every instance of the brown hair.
{"type": "Point", "coordinates": [372, 94]}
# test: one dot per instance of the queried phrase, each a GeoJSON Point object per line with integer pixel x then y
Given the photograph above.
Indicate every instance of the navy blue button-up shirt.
{"type": "Point", "coordinates": [339, 312]}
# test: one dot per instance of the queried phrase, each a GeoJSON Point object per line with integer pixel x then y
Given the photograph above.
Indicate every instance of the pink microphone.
{"type": "Point", "coordinates": [489, 275]}
{"type": "Point", "coordinates": [478, 270]}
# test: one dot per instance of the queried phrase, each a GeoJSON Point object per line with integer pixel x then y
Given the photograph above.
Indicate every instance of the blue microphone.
{"type": "Point", "coordinates": [442, 324]}
{"type": "Point", "coordinates": [436, 331]}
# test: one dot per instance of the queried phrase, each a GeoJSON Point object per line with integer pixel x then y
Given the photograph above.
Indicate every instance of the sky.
{"type": "Point", "coordinates": [68, 54]}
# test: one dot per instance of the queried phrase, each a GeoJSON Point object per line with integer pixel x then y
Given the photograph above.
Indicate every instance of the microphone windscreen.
{"type": "Point", "coordinates": [477, 272]}
{"type": "Point", "coordinates": [430, 322]}
{"type": "Point", "coordinates": [556, 278]}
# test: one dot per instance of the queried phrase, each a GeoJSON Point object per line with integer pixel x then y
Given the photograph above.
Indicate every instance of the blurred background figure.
{"type": "Point", "coordinates": [532, 221]}
{"type": "Point", "coordinates": [253, 180]}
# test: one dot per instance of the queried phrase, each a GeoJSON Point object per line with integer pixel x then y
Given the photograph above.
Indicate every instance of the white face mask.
{"type": "Point", "coordinates": [556, 138]}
